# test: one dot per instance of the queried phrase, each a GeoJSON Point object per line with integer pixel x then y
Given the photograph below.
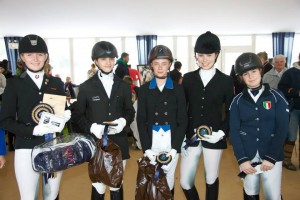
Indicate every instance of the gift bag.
{"type": "Point", "coordinates": [107, 165]}
{"type": "Point", "coordinates": [62, 152]}
{"type": "Point", "coordinates": [147, 188]}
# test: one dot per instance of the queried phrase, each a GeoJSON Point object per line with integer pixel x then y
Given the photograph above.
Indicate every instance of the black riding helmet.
{"type": "Point", "coordinates": [245, 62]}
{"type": "Point", "coordinates": [104, 49]}
{"type": "Point", "coordinates": [32, 44]}
{"type": "Point", "coordinates": [207, 43]}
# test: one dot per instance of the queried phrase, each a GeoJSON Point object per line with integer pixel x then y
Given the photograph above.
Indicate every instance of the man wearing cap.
{"type": "Point", "coordinates": [105, 98]}
{"type": "Point", "coordinates": [207, 90]}
{"type": "Point", "coordinates": [22, 94]}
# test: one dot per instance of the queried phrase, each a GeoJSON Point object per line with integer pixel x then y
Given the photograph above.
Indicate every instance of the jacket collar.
{"type": "Point", "coordinates": [168, 85]}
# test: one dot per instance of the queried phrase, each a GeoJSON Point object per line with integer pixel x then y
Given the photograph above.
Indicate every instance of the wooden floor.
{"type": "Point", "coordinates": [76, 185]}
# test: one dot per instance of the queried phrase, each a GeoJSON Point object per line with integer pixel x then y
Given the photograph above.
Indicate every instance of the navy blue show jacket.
{"type": "Point", "coordinates": [259, 127]}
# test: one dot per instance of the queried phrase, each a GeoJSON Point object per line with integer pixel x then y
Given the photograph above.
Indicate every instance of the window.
{"type": "Point", "coordinates": [182, 53]}
{"type": "Point", "coordinates": [296, 49]}
{"type": "Point", "coordinates": [3, 54]}
{"type": "Point", "coordinates": [167, 41]}
{"type": "Point", "coordinates": [264, 43]}
{"type": "Point", "coordinates": [82, 50]}
{"type": "Point", "coordinates": [59, 56]}
{"type": "Point", "coordinates": [131, 49]}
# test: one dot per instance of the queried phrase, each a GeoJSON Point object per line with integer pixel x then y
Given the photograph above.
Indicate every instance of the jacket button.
{"type": "Point", "coordinates": [256, 108]}
{"type": "Point", "coordinates": [165, 103]}
{"type": "Point", "coordinates": [156, 113]}
{"type": "Point", "coordinates": [40, 93]}
{"type": "Point", "coordinates": [257, 129]}
{"type": "Point", "coordinates": [166, 113]}
{"type": "Point", "coordinates": [109, 113]}
{"type": "Point", "coordinates": [202, 97]}
{"type": "Point", "coordinates": [156, 123]}
{"type": "Point", "coordinates": [166, 123]}
{"type": "Point", "coordinates": [257, 119]}
{"type": "Point", "coordinates": [257, 139]}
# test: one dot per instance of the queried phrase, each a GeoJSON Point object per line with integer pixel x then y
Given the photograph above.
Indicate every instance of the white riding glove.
{"type": "Point", "coordinates": [97, 130]}
{"type": "Point", "coordinates": [151, 155]}
{"type": "Point", "coordinates": [173, 154]}
{"type": "Point", "coordinates": [214, 137]}
{"type": "Point", "coordinates": [117, 129]}
{"type": "Point", "coordinates": [67, 115]}
{"type": "Point", "coordinates": [40, 130]}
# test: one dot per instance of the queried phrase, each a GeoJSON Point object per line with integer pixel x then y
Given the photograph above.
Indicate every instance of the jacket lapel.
{"type": "Point", "coordinates": [98, 84]}
{"type": "Point", "coordinates": [28, 81]}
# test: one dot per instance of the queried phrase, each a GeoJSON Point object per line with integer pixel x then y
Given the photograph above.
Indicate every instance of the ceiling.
{"type": "Point", "coordinates": [111, 18]}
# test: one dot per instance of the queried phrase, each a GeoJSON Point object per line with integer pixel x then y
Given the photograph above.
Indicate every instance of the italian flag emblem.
{"type": "Point", "coordinates": [267, 105]}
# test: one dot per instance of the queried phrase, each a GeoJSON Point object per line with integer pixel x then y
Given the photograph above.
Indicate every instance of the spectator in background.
{"type": "Point", "coordinates": [175, 73]}
{"type": "Point", "coordinates": [134, 98]}
{"type": "Point", "coordinates": [19, 68]}
{"type": "Point", "coordinates": [91, 72]}
{"type": "Point", "coordinates": [134, 74]}
{"type": "Point", "coordinates": [6, 74]}
{"type": "Point", "coordinates": [122, 66]}
{"type": "Point", "coordinates": [273, 76]}
{"type": "Point", "coordinates": [238, 86]}
{"type": "Point", "coordinates": [4, 69]}
{"type": "Point", "coordinates": [2, 149]}
{"type": "Point", "coordinates": [263, 56]}
{"type": "Point", "coordinates": [2, 135]}
{"type": "Point", "coordinates": [69, 88]}
{"type": "Point", "coordinates": [48, 69]}
{"type": "Point", "coordinates": [289, 84]}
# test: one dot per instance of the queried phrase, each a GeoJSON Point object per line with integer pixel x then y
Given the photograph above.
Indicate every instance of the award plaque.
{"type": "Point", "coordinates": [162, 158]}
{"type": "Point", "coordinates": [37, 111]}
{"type": "Point", "coordinates": [202, 131]}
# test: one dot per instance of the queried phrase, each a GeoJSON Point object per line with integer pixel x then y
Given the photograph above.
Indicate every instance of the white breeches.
{"type": "Point", "coordinates": [189, 165]}
{"type": "Point", "coordinates": [28, 180]}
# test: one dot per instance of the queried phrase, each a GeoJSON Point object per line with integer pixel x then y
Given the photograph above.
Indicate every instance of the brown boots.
{"type": "Point", "coordinates": [288, 151]}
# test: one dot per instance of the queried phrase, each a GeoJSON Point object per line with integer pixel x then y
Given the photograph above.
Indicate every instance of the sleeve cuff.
{"type": "Point", "coordinates": [242, 160]}
{"type": "Point", "coordinates": [271, 160]}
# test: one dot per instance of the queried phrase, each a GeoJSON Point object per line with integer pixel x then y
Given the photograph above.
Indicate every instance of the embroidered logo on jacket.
{"type": "Point", "coordinates": [267, 105]}
{"type": "Point", "coordinates": [95, 98]}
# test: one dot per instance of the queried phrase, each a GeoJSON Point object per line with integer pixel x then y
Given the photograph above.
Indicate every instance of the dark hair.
{"type": "Point", "coordinates": [4, 64]}
{"type": "Point", "coordinates": [177, 65]}
{"type": "Point", "coordinates": [124, 54]}
{"type": "Point", "coordinates": [128, 79]}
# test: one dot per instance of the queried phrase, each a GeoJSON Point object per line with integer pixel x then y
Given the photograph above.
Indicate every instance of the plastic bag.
{"type": "Point", "coordinates": [107, 165]}
{"type": "Point", "coordinates": [62, 152]}
{"type": "Point", "coordinates": [146, 187]}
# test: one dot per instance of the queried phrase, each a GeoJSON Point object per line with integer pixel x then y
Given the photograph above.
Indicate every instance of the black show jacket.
{"type": "Point", "coordinates": [206, 104]}
{"type": "Point", "coordinates": [20, 96]}
{"type": "Point", "coordinates": [162, 108]}
{"type": "Point", "coordinates": [94, 106]}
